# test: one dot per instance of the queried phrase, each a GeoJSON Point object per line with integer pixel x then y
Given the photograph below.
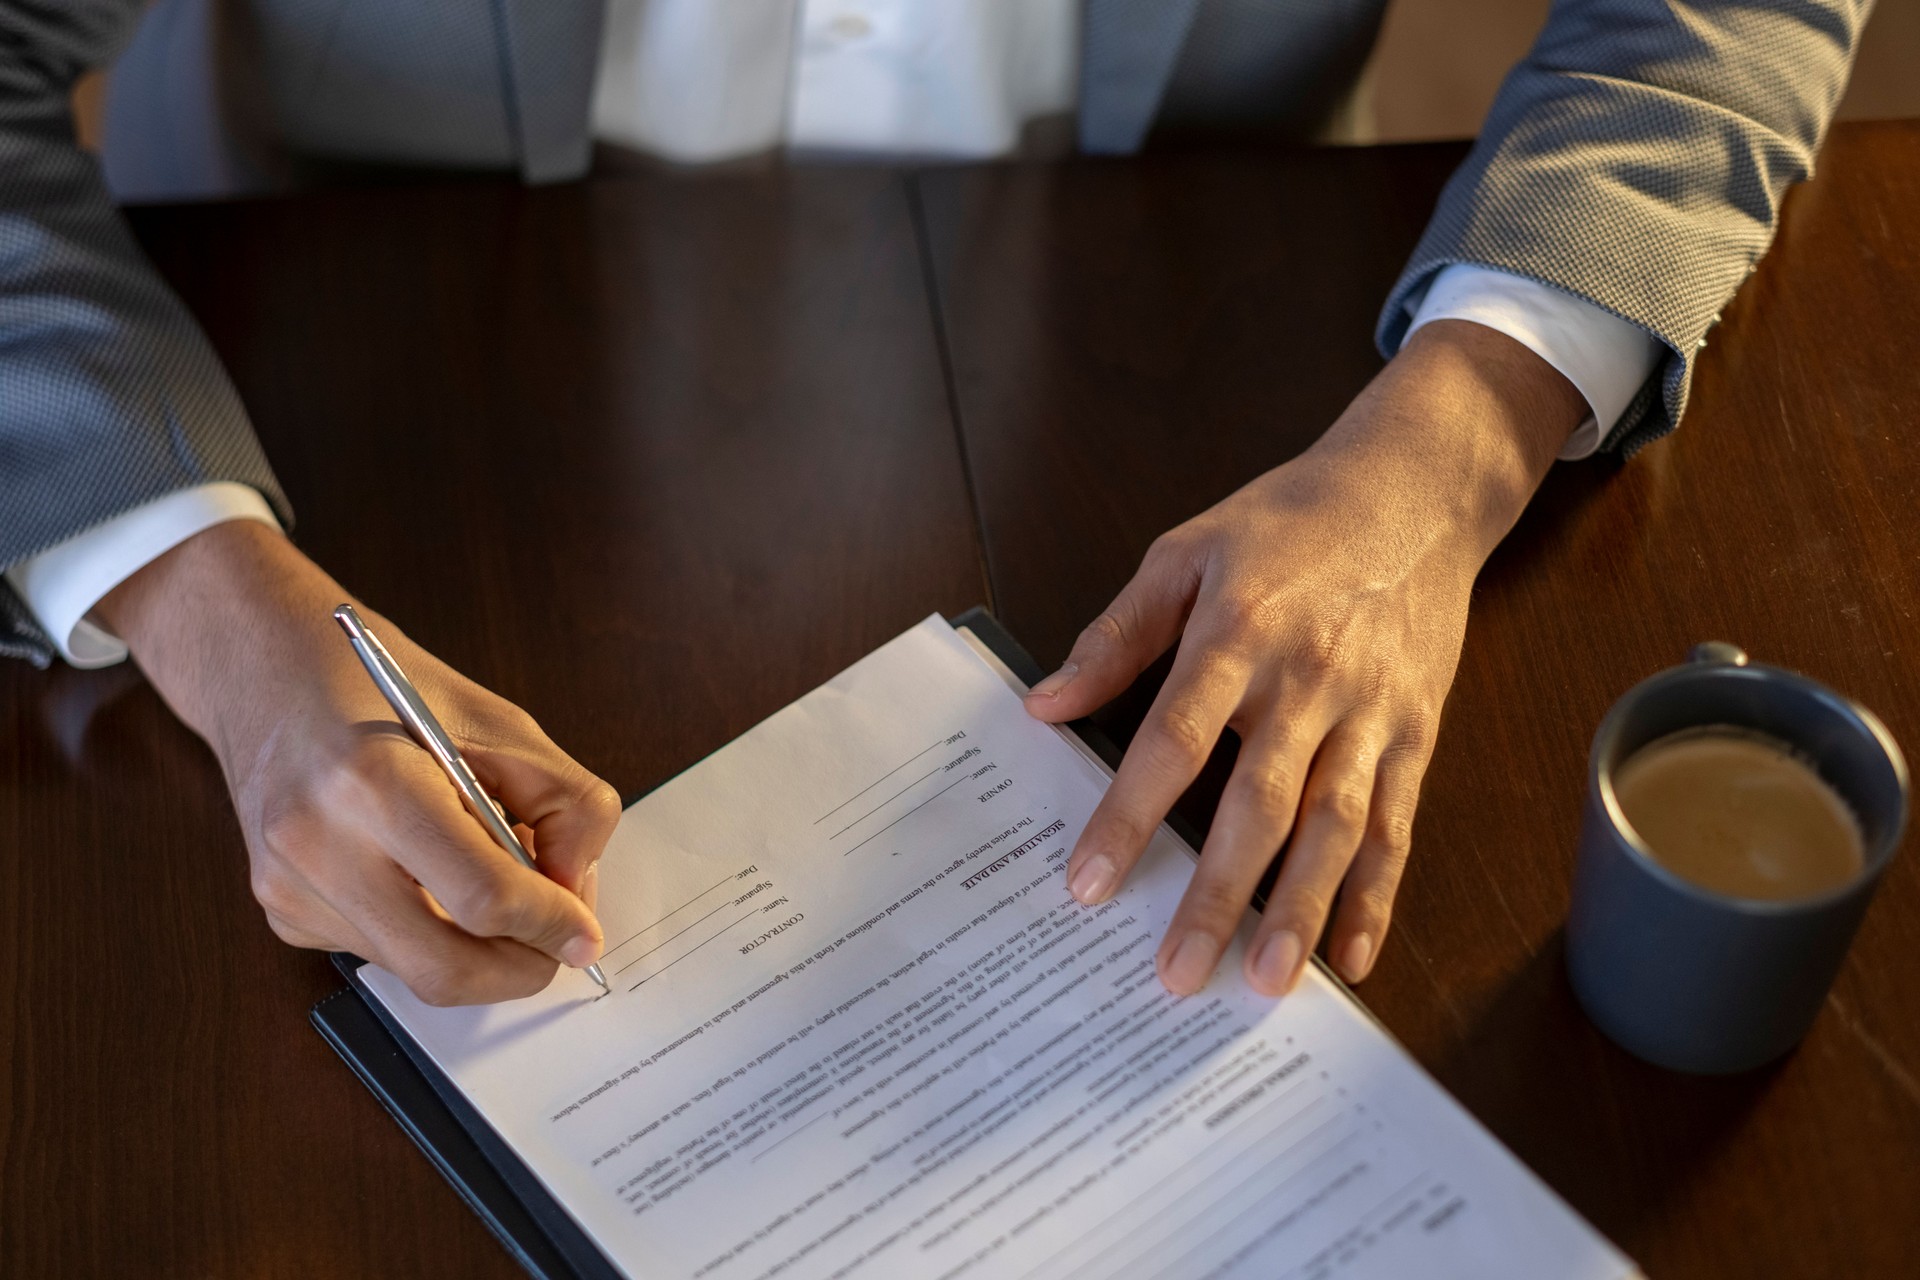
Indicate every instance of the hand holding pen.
{"type": "Point", "coordinates": [356, 840]}
{"type": "Point", "coordinates": [427, 731]}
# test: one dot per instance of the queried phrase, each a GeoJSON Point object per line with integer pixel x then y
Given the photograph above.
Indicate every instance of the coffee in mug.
{"type": "Point", "coordinates": [1739, 813]}
{"type": "Point", "coordinates": [1738, 819]}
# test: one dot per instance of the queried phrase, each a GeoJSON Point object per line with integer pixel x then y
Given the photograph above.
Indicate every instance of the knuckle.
{"type": "Point", "coordinates": [1271, 793]}
{"type": "Point", "coordinates": [1219, 667]}
{"type": "Point", "coordinates": [487, 905]}
{"type": "Point", "coordinates": [1246, 615]}
{"type": "Point", "coordinates": [1170, 548]}
{"type": "Point", "coordinates": [1321, 650]}
{"type": "Point", "coordinates": [603, 801]}
{"type": "Point", "coordinates": [1215, 900]}
{"type": "Point", "coordinates": [1422, 728]}
{"type": "Point", "coordinates": [355, 769]}
{"type": "Point", "coordinates": [1113, 828]}
{"type": "Point", "coordinates": [1393, 832]}
{"type": "Point", "coordinates": [1104, 632]}
{"type": "Point", "coordinates": [1342, 804]}
{"type": "Point", "coordinates": [1369, 684]}
{"type": "Point", "coordinates": [274, 892]}
{"type": "Point", "coordinates": [288, 932]}
{"type": "Point", "coordinates": [439, 983]}
{"type": "Point", "coordinates": [1182, 734]}
{"type": "Point", "coordinates": [1304, 907]}
{"type": "Point", "coordinates": [521, 725]}
{"type": "Point", "coordinates": [492, 722]}
{"type": "Point", "coordinates": [288, 827]}
{"type": "Point", "coordinates": [1374, 901]}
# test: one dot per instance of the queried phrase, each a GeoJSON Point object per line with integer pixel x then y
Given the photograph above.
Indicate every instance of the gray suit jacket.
{"type": "Point", "coordinates": [1636, 159]}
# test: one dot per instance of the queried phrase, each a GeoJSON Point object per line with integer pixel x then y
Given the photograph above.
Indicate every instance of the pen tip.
{"type": "Point", "coordinates": [600, 979]}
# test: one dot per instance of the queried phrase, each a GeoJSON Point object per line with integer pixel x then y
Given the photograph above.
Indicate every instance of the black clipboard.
{"type": "Point", "coordinates": [494, 1181]}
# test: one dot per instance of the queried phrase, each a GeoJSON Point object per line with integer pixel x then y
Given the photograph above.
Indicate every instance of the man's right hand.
{"type": "Point", "coordinates": [358, 842]}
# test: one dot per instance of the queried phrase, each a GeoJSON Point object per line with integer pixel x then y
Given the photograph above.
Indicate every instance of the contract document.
{"type": "Point", "coordinates": [859, 1028]}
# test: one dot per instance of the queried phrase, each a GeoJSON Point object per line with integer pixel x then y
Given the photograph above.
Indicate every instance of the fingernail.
{"type": "Point", "coordinates": [580, 951]}
{"type": "Point", "coordinates": [1355, 959]}
{"type": "Point", "coordinates": [1273, 966]}
{"type": "Point", "coordinates": [1192, 963]}
{"type": "Point", "coordinates": [1093, 882]}
{"type": "Point", "coordinates": [1053, 684]}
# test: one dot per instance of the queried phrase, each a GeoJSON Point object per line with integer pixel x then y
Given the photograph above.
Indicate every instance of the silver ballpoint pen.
{"type": "Point", "coordinates": [425, 728]}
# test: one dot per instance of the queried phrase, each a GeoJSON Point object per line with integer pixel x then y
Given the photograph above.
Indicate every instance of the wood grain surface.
{"type": "Point", "coordinates": [651, 457]}
{"type": "Point", "coordinates": [655, 454]}
{"type": "Point", "coordinates": [1132, 341]}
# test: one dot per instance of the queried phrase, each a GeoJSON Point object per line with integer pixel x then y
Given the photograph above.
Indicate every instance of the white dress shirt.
{"type": "Point", "coordinates": [704, 80]}
{"type": "Point", "coordinates": [700, 80]}
{"type": "Point", "coordinates": [1604, 357]}
{"type": "Point", "coordinates": [62, 585]}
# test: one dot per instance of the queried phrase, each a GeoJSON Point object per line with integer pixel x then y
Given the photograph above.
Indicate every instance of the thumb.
{"type": "Point", "coordinates": [570, 811]}
{"type": "Point", "coordinates": [1142, 623]}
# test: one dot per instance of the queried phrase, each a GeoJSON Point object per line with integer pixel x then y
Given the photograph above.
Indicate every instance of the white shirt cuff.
{"type": "Point", "coordinates": [62, 584]}
{"type": "Point", "coordinates": [1607, 359]}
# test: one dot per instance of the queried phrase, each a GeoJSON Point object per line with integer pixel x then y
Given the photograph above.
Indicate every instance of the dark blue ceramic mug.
{"type": "Point", "coordinates": [1681, 975]}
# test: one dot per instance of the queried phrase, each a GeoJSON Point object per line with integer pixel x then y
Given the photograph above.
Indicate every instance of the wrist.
{"type": "Point", "coordinates": [198, 616]}
{"type": "Point", "coordinates": [1467, 418]}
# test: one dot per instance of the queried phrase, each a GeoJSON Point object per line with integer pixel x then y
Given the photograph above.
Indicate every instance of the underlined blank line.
{"type": "Point", "coordinates": [650, 950]}
{"type": "Point", "coordinates": [876, 782]}
{"type": "Point", "coordinates": [909, 813]}
{"type": "Point", "coordinates": [670, 915]}
{"type": "Point", "coordinates": [884, 803]}
{"type": "Point", "coordinates": [751, 912]}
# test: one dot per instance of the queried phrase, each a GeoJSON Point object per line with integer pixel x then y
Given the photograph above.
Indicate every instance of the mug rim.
{"type": "Point", "coordinates": [1600, 780]}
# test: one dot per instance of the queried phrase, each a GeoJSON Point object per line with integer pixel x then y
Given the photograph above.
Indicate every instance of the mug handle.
{"type": "Point", "coordinates": [1718, 651]}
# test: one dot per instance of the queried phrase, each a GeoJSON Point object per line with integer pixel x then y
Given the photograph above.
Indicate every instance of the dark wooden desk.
{"type": "Point", "coordinates": [700, 425]}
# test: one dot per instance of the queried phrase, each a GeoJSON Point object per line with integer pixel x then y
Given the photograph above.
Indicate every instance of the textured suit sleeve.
{"type": "Point", "coordinates": [1637, 159]}
{"type": "Point", "coordinates": [109, 394]}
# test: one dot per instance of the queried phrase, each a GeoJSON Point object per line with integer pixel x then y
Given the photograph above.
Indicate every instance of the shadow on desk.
{"type": "Point", "coordinates": [1670, 1126]}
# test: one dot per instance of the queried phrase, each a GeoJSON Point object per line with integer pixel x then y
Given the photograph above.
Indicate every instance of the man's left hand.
{"type": "Point", "coordinates": [1319, 613]}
